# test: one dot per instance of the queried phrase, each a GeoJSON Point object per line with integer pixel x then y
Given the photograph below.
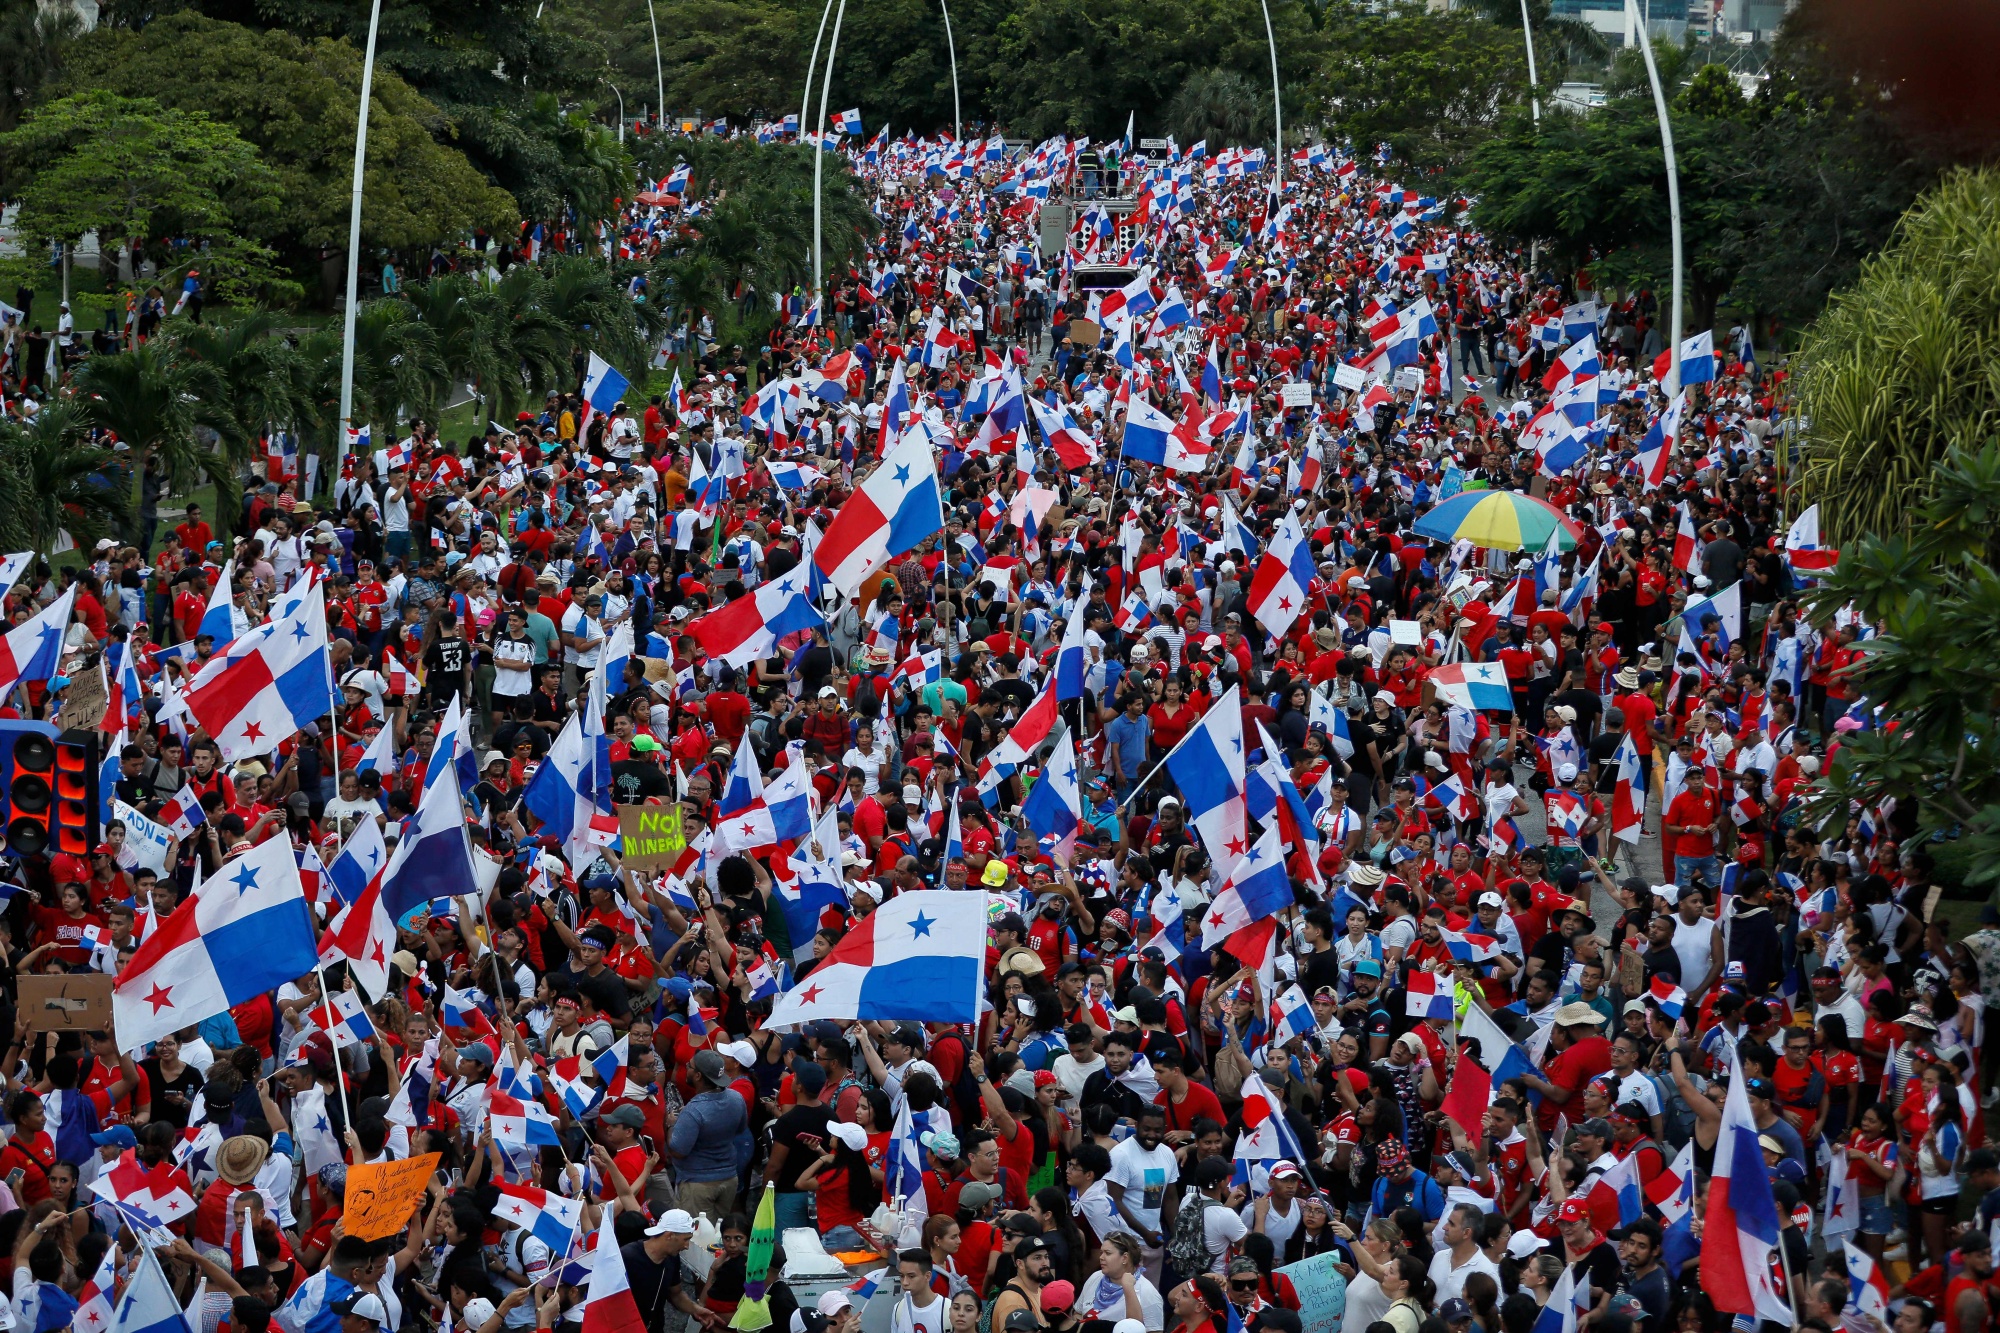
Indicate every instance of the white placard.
{"type": "Point", "coordinates": [1410, 633]}
{"type": "Point", "coordinates": [146, 843]}
{"type": "Point", "coordinates": [1411, 378]}
{"type": "Point", "coordinates": [1296, 393]}
{"type": "Point", "coordinates": [1349, 377]}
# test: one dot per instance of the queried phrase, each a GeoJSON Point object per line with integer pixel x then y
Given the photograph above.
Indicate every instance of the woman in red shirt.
{"type": "Point", "coordinates": [1172, 718]}
{"type": "Point", "coordinates": [64, 924]}
{"type": "Point", "coordinates": [31, 1151]}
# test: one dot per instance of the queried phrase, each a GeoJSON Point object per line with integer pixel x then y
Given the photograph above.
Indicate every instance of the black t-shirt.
{"type": "Point", "coordinates": [803, 1131]}
{"type": "Point", "coordinates": [652, 1283]}
{"type": "Point", "coordinates": [607, 991]}
{"type": "Point", "coordinates": [1586, 703]}
{"type": "Point", "coordinates": [171, 1097]}
{"type": "Point", "coordinates": [633, 780]}
{"type": "Point", "coordinates": [1600, 1267]}
{"type": "Point", "coordinates": [445, 662]}
{"type": "Point", "coordinates": [1604, 753]}
{"type": "Point", "coordinates": [1012, 690]}
{"type": "Point", "coordinates": [1319, 969]}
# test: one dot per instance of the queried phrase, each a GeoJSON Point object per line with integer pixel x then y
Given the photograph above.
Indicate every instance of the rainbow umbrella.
{"type": "Point", "coordinates": [1498, 521]}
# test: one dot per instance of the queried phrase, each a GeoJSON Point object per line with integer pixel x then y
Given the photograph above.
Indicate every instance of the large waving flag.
{"type": "Point", "coordinates": [750, 627]}
{"type": "Point", "coordinates": [272, 681]}
{"type": "Point", "coordinates": [1278, 590]}
{"type": "Point", "coordinates": [1628, 795]}
{"type": "Point", "coordinates": [1257, 890]}
{"type": "Point", "coordinates": [218, 620]}
{"type": "Point", "coordinates": [247, 931]}
{"type": "Point", "coordinates": [1030, 730]}
{"type": "Point", "coordinates": [1073, 445]}
{"type": "Point", "coordinates": [362, 932]}
{"type": "Point", "coordinates": [608, 1304]}
{"type": "Point", "coordinates": [1053, 808]}
{"type": "Point", "coordinates": [1266, 1139]}
{"type": "Point", "coordinates": [434, 857]}
{"type": "Point", "coordinates": [1147, 430]}
{"type": "Point", "coordinates": [603, 389]}
{"type": "Point", "coordinates": [12, 568]}
{"type": "Point", "coordinates": [921, 955]}
{"type": "Point", "coordinates": [1741, 1225]}
{"type": "Point", "coordinates": [32, 650]}
{"type": "Point", "coordinates": [1480, 686]}
{"type": "Point", "coordinates": [549, 1218]}
{"type": "Point", "coordinates": [1207, 766]}
{"type": "Point", "coordinates": [890, 513]}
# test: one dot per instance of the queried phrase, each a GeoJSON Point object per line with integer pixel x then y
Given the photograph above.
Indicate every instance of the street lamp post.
{"type": "Point", "coordinates": [1528, 35]}
{"type": "Point", "coordinates": [621, 105]}
{"type": "Point", "coordinates": [1632, 13]}
{"type": "Point", "coordinates": [812, 66]}
{"type": "Point", "coordinates": [354, 233]}
{"type": "Point", "coordinates": [819, 132]}
{"type": "Point", "coordinates": [1277, 98]}
{"type": "Point", "coordinates": [957, 124]}
{"type": "Point", "coordinates": [659, 70]}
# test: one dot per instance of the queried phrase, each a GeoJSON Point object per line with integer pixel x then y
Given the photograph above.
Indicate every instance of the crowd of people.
{"type": "Point", "coordinates": [1536, 940]}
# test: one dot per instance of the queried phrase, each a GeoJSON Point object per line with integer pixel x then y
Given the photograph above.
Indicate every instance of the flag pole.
{"type": "Point", "coordinates": [339, 1078]}
{"type": "Point", "coordinates": [1673, 383]}
{"type": "Point", "coordinates": [354, 237]}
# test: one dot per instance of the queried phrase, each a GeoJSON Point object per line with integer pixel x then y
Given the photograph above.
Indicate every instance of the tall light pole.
{"type": "Point", "coordinates": [812, 65]}
{"type": "Point", "coordinates": [957, 125]}
{"type": "Point", "coordinates": [621, 105]}
{"type": "Point", "coordinates": [1277, 97]}
{"type": "Point", "coordinates": [659, 71]}
{"type": "Point", "coordinates": [819, 132]}
{"type": "Point", "coordinates": [1534, 82]}
{"type": "Point", "coordinates": [1632, 13]}
{"type": "Point", "coordinates": [354, 234]}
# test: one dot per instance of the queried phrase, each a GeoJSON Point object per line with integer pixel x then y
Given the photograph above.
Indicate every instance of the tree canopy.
{"type": "Point", "coordinates": [296, 100]}
{"type": "Point", "coordinates": [135, 172]}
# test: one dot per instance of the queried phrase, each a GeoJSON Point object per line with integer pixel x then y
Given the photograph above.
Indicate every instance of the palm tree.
{"type": "Point", "coordinates": [1899, 368]}
{"type": "Point", "coordinates": [586, 298]}
{"type": "Point", "coordinates": [261, 382]}
{"type": "Point", "coordinates": [1221, 106]}
{"type": "Point", "coordinates": [52, 478]}
{"type": "Point", "coordinates": [158, 399]}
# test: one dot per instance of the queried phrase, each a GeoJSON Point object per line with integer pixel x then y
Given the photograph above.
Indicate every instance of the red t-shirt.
{"type": "Point", "coordinates": [1694, 812]}
{"type": "Point", "coordinates": [1199, 1102]}
{"type": "Point", "coordinates": [1572, 1069]}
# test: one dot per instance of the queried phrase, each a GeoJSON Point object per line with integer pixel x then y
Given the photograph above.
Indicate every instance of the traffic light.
{"type": "Point", "coordinates": [48, 789]}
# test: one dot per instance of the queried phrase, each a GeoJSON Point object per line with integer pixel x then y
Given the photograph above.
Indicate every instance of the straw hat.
{"type": "Point", "coordinates": [240, 1159]}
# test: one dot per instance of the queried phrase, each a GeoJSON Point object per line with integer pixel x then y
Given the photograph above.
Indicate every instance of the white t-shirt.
{"type": "Point", "coordinates": [1638, 1088]}
{"type": "Point", "coordinates": [513, 684]}
{"type": "Point", "coordinates": [1220, 1229]}
{"type": "Point", "coordinates": [1278, 1226]}
{"type": "Point", "coordinates": [906, 1316]}
{"type": "Point", "coordinates": [1145, 1176]}
{"type": "Point", "coordinates": [1451, 1281]}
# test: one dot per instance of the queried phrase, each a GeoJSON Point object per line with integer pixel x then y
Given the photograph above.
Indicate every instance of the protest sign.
{"type": "Point", "coordinates": [77, 1001]}
{"type": "Point", "coordinates": [147, 844]}
{"type": "Point", "coordinates": [653, 836]}
{"type": "Point", "coordinates": [381, 1194]}
{"type": "Point", "coordinates": [1298, 393]}
{"type": "Point", "coordinates": [1350, 377]}
{"type": "Point", "coordinates": [1322, 1290]}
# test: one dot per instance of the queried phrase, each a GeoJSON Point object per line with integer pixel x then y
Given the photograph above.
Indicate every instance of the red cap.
{"type": "Point", "coordinates": [1573, 1210]}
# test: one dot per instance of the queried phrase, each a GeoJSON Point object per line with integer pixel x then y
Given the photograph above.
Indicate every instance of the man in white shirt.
{"type": "Point", "coordinates": [1694, 943]}
{"type": "Point", "coordinates": [1143, 1169]}
{"type": "Point", "coordinates": [1461, 1256]}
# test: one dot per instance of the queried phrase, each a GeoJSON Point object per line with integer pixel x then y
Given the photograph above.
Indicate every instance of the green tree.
{"type": "Point", "coordinates": [296, 100]}
{"type": "Point", "coordinates": [34, 40]}
{"type": "Point", "coordinates": [52, 480]}
{"type": "Point", "coordinates": [1900, 367]}
{"type": "Point", "coordinates": [1431, 86]}
{"type": "Point", "coordinates": [482, 63]}
{"type": "Point", "coordinates": [133, 171]}
{"type": "Point", "coordinates": [1929, 582]}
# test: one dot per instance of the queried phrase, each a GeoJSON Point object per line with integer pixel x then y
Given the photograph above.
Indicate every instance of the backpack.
{"type": "Point", "coordinates": [1187, 1247]}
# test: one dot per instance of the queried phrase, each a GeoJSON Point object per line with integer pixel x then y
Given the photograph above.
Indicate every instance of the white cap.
{"type": "Point", "coordinates": [673, 1222]}
{"type": "Point", "coordinates": [833, 1302]}
{"type": "Point", "coordinates": [477, 1311]}
{"type": "Point", "coordinates": [1492, 899]}
{"type": "Point", "coordinates": [742, 1052]}
{"type": "Point", "coordinates": [852, 1135]}
{"type": "Point", "coordinates": [367, 1305]}
{"type": "Point", "coordinates": [1566, 773]}
{"type": "Point", "coordinates": [828, 692]}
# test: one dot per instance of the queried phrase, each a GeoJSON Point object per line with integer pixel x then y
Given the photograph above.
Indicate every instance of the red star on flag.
{"type": "Point", "coordinates": [810, 995]}
{"type": "Point", "coordinates": [161, 997]}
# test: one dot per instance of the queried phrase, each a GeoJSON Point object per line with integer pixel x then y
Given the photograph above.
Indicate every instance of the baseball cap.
{"type": "Point", "coordinates": [673, 1222]}
{"type": "Point", "coordinates": [1454, 1311]}
{"type": "Point", "coordinates": [1573, 1210]}
{"type": "Point", "coordinates": [1058, 1295]}
{"type": "Point", "coordinates": [833, 1302]}
{"type": "Point", "coordinates": [362, 1305]}
{"type": "Point", "coordinates": [629, 1116]}
{"type": "Point", "coordinates": [118, 1135]}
